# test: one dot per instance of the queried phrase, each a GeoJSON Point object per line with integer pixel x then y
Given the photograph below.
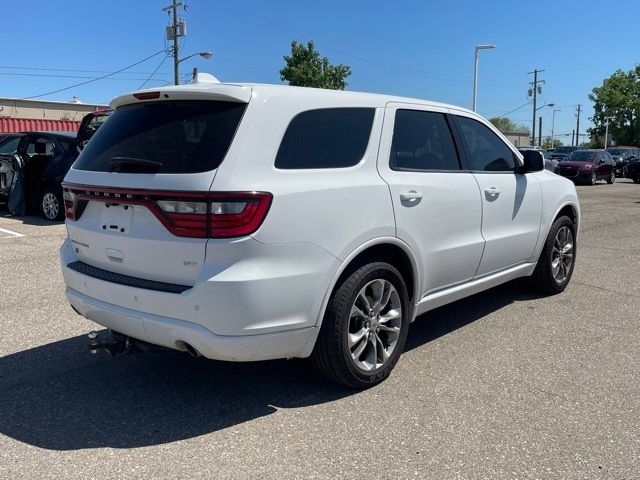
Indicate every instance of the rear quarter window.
{"type": "Point", "coordinates": [186, 136]}
{"type": "Point", "coordinates": [326, 138]}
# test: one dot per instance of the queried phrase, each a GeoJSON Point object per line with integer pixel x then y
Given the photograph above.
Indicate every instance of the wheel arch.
{"type": "Point", "coordinates": [389, 249]}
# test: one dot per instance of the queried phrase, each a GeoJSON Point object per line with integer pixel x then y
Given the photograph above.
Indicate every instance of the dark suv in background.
{"type": "Point", "coordinates": [588, 166]}
{"type": "Point", "coordinates": [622, 155]}
{"type": "Point", "coordinates": [561, 153]}
{"type": "Point", "coordinates": [43, 159]}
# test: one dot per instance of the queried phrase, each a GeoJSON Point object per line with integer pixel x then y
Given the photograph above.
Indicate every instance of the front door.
{"type": "Point", "coordinates": [511, 201]}
{"type": "Point", "coordinates": [437, 205]}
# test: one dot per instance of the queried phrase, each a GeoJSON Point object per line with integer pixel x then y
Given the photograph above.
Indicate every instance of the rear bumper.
{"type": "Point", "coordinates": [173, 333]}
{"type": "Point", "coordinates": [254, 302]}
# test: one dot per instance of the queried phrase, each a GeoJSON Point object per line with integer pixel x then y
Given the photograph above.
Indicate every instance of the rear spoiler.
{"type": "Point", "coordinates": [224, 92]}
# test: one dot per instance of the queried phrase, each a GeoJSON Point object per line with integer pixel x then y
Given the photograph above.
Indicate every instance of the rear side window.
{"type": "Point", "coordinates": [163, 137]}
{"type": "Point", "coordinates": [422, 141]}
{"type": "Point", "coordinates": [326, 138]}
{"type": "Point", "coordinates": [485, 150]}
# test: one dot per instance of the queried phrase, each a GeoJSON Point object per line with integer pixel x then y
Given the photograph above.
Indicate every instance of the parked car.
{"type": "Point", "coordinates": [42, 159]}
{"type": "Point", "coordinates": [253, 222]}
{"type": "Point", "coordinates": [621, 155]}
{"type": "Point", "coordinates": [549, 163]}
{"type": "Point", "coordinates": [561, 153]}
{"type": "Point", "coordinates": [632, 169]}
{"type": "Point", "coordinates": [588, 166]}
{"type": "Point", "coordinates": [90, 124]}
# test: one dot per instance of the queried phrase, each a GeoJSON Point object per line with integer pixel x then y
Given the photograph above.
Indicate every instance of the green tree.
{"type": "Point", "coordinates": [619, 100]}
{"type": "Point", "coordinates": [546, 143]}
{"type": "Point", "coordinates": [505, 124]}
{"type": "Point", "coordinates": [305, 68]}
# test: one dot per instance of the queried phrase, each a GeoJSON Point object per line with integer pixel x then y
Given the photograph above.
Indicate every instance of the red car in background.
{"type": "Point", "coordinates": [588, 166]}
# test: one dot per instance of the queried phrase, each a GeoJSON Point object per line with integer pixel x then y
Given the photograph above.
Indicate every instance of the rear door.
{"type": "Point", "coordinates": [511, 201]}
{"type": "Point", "coordinates": [136, 197]}
{"type": "Point", "coordinates": [436, 203]}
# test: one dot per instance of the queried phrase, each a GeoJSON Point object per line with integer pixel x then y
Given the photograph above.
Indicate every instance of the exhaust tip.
{"type": "Point", "coordinates": [190, 350]}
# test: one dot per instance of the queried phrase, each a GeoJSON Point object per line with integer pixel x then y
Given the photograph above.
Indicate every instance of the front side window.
{"type": "Point", "coordinates": [326, 138]}
{"type": "Point", "coordinates": [486, 152]}
{"type": "Point", "coordinates": [422, 141]}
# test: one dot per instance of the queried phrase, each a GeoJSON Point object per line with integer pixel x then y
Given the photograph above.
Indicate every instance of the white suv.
{"type": "Point", "coordinates": [250, 222]}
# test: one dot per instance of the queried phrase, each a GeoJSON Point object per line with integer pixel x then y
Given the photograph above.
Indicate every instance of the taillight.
{"type": "Point", "coordinates": [237, 214]}
{"type": "Point", "coordinates": [185, 214]}
{"type": "Point", "coordinates": [69, 207]}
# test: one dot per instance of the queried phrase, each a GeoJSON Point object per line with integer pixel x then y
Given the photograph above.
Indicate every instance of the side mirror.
{"type": "Point", "coordinates": [533, 161]}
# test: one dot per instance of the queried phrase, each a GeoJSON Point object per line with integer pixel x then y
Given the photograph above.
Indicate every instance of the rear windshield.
{"type": "Point", "coordinates": [163, 137]}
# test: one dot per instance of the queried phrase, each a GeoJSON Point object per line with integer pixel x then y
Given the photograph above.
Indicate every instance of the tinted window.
{"type": "Point", "coordinates": [582, 156]}
{"type": "Point", "coordinates": [9, 145]}
{"type": "Point", "coordinates": [422, 141]}
{"type": "Point", "coordinates": [37, 146]}
{"type": "Point", "coordinates": [327, 138]}
{"type": "Point", "coordinates": [485, 150]}
{"type": "Point", "coordinates": [163, 137]}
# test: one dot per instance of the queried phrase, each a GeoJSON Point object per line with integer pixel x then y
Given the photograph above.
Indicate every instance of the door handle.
{"type": "Point", "coordinates": [410, 195]}
{"type": "Point", "coordinates": [492, 192]}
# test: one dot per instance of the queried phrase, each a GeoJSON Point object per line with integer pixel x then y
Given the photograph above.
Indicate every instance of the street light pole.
{"type": "Point", "coordinates": [475, 70]}
{"type": "Point", "coordinates": [606, 132]}
{"type": "Point", "coordinates": [553, 125]}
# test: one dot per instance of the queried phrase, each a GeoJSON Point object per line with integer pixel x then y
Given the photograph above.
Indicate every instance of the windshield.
{"type": "Point", "coordinates": [163, 137]}
{"type": "Point", "coordinates": [564, 149]}
{"type": "Point", "coordinates": [9, 145]}
{"type": "Point", "coordinates": [582, 156]}
{"type": "Point", "coordinates": [618, 151]}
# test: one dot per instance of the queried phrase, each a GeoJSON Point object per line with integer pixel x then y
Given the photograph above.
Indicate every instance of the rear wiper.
{"type": "Point", "coordinates": [117, 162]}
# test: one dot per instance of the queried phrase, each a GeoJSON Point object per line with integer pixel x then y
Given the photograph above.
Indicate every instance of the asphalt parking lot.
{"type": "Point", "coordinates": [505, 384]}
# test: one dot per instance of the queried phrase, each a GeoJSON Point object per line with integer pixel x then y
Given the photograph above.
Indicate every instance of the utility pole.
{"type": "Point", "coordinates": [175, 30]}
{"type": "Point", "coordinates": [540, 131]}
{"type": "Point", "coordinates": [578, 126]}
{"type": "Point", "coordinates": [606, 133]}
{"type": "Point", "coordinates": [534, 91]}
{"type": "Point", "coordinates": [573, 134]}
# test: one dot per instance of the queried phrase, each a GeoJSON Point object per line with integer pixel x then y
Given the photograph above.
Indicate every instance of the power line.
{"type": "Point", "coordinates": [94, 79]}
{"type": "Point", "coordinates": [50, 75]}
{"type": "Point", "coordinates": [154, 72]}
{"type": "Point", "coordinates": [521, 106]}
{"type": "Point", "coordinates": [8, 67]}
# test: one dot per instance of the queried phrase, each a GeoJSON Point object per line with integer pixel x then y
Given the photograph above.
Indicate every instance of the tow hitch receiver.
{"type": "Point", "coordinates": [120, 344]}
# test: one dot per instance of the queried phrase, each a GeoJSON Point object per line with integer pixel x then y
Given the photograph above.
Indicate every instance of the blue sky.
{"type": "Point", "coordinates": [414, 48]}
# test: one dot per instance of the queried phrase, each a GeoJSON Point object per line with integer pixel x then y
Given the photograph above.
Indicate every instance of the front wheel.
{"type": "Point", "coordinates": [364, 328]}
{"type": "Point", "coordinates": [556, 262]}
{"type": "Point", "coordinates": [612, 178]}
{"type": "Point", "coordinates": [51, 205]}
{"type": "Point", "coordinates": [594, 178]}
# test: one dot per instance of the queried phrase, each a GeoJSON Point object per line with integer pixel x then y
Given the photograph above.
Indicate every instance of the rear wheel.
{"type": "Point", "coordinates": [612, 178]}
{"type": "Point", "coordinates": [556, 262]}
{"type": "Point", "coordinates": [51, 204]}
{"type": "Point", "coordinates": [364, 328]}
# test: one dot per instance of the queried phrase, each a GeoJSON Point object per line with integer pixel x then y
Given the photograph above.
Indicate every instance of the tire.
{"type": "Point", "coordinates": [543, 278]}
{"type": "Point", "coordinates": [594, 178]}
{"type": "Point", "coordinates": [636, 180]}
{"type": "Point", "coordinates": [335, 354]}
{"type": "Point", "coordinates": [612, 178]}
{"type": "Point", "coordinates": [51, 206]}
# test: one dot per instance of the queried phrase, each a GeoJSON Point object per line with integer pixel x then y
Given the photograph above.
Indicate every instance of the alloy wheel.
{"type": "Point", "coordinates": [50, 206]}
{"type": "Point", "coordinates": [594, 178]}
{"type": "Point", "coordinates": [562, 255]}
{"type": "Point", "coordinates": [374, 325]}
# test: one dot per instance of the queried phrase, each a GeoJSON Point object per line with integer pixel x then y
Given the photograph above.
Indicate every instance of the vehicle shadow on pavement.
{"type": "Point", "coordinates": [59, 397]}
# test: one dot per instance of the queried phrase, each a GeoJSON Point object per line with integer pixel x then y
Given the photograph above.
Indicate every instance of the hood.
{"type": "Point", "coordinates": [574, 164]}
